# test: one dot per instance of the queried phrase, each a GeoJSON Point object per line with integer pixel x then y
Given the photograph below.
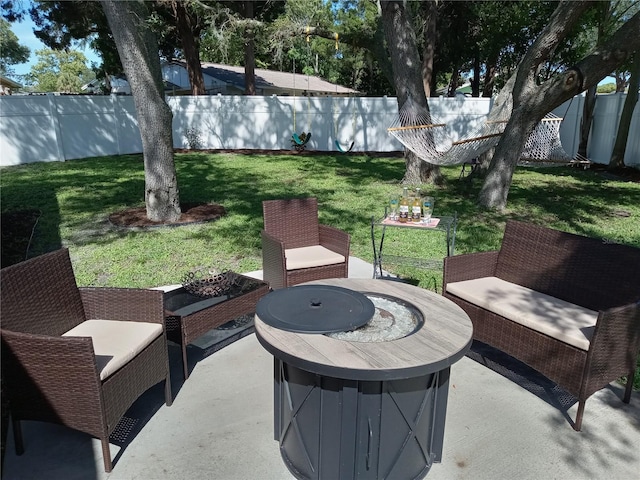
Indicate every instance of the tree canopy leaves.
{"type": "Point", "coordinates": [59, 71]}
{"type": "Point", "coordinates": [11, 50]}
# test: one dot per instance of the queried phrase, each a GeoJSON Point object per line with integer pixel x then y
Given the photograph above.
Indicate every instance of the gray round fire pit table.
{"type": "Point", "coordinates": [346, 408]}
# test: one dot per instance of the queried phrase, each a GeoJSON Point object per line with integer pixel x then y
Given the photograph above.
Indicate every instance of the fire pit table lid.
{"type": "Point", "coordinates": [315, 309]}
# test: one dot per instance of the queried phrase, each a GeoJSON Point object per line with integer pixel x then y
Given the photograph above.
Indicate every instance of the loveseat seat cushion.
{"type": "Point", "coordinates": [115, 342]}
{"type": "Point", "coordinates": [562, 320]}
{"type": "Point", "coordinates": [309, 257]}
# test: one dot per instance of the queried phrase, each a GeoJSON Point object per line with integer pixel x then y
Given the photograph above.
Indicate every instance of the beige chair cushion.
{"type": "Point", "coordinates": [115, 342]}
{"type": "Point", "coordinates": [565, 321]}
{"type": "Point", "coordinates": [309, 257]}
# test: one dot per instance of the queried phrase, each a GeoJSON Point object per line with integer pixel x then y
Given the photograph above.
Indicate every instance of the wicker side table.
{"type": "Point", "coordinates": [188, 316]}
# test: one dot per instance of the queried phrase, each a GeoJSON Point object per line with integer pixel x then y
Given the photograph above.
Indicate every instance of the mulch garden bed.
{"type": "Point", "coordinates": [191, 213]}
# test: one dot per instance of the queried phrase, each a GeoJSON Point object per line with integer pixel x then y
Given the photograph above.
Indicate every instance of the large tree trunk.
{"type": "Point", "coordinates": [453, 84]}
{"type": "Point", "coordinates": [531, 102]}
{"type": "Point", "coordinates": [489, 76]}
{"type": "Point", "coordinates": [587, 119]}
{"type": "Point", "coordinates": [249, 53]}
{"type": "Point", "coordinates": [621, 82]}
{"type": "Point", "coordinates": [620, 146]}
{"type": "Point", "coordinates": [475, 84]}
{"type": "Point", "coordinates": [138, 50]}
{"type": "Point", "coordinates": [430, 11]}
{"type": "Point", "coordinates": [604, 15]}
{"type": "Point", "coordinates": [190, 46]}
{"type": "Point", "coordinates": [407, 79]}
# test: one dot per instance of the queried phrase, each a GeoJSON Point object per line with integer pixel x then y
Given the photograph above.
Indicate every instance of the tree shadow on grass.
{"type": "Point", "coordinates": [18, 228]}
{"type": "Point", "coordinates": [30, 219]}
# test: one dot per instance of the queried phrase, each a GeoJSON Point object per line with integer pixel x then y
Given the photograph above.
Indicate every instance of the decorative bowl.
{"type": "Point", "coordinates": [208, 282]}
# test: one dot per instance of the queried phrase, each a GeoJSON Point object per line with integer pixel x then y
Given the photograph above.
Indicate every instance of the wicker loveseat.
{"type": "Point", "coordinates": [564, 304]}
{"type": "Point", "coordinates": [78, 357]}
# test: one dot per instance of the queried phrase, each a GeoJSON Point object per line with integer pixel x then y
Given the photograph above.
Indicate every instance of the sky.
{"type": "Point", "coordinates": [24, 31]}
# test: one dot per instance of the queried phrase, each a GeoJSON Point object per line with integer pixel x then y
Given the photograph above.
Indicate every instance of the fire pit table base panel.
{"type": "Point", "coordinates": [332, 428]}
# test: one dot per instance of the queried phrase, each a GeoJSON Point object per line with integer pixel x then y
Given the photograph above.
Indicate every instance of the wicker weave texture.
{"type": "Point", "coordinates": [197, 324]}
{"type": "Point", "coordinates": [293, 223]}
{"type": "Point", "coordinates": [592, 273]}
{"type": "Point", "coordinates": [187, 328]}
{"type": "Point", "coordinates": [55, 379]}
{"type": "Point", "coordinates": [40, 296]}
{"type": "Point", "coordinates": [571, 267]}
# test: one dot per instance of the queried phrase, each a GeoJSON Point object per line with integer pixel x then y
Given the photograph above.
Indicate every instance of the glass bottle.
{"type": "Point", "coordinates": [403, 211]}
{"type": "Point", "coordinates": [416, 207]}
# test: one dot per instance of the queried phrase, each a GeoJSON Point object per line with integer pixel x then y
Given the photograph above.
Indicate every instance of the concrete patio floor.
{"type": "Point", "coordinates": [503, 422]}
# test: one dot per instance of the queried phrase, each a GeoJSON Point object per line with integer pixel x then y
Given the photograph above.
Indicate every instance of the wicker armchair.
{"type": "Point", "coordinates": [58, 363]}
{"type": "Point", "coordinates": [296, 248]}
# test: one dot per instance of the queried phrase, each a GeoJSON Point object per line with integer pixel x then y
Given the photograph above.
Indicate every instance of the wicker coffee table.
{"type": "Point", "coordinates": [189, 316]}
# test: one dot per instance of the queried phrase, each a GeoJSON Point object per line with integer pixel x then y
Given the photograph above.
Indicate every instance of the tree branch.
{"type": "Point", "coordinates": [565, 15]}
{"type": "Point", "coordinates": [594, 67]}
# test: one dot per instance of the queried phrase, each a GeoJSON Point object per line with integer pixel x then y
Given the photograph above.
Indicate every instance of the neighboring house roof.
{"type": "Point", "coordinates": [8, 84]}
{"type": "Point", "coordinates": [271, 79]}
{"type": "Point", "coordinates": [229, 79]}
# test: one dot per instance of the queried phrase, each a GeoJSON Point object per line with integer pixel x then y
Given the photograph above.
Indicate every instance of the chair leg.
{"type": "Point", "coordinates": [578, 424]}
{"type": "Point", "coordinates": [168, 397]}
{"type": "Point", "coordinates": [185, 365]}
{"type": "Point", "coordinates": [17, 436]}
{"type": "Point", "coordinates": [627, 390]}
{"type": "Point", "coordinates": [106, 455]}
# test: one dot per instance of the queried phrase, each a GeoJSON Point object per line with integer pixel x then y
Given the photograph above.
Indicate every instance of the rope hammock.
{"type": "Point", "coordinates": [432, 142]}
{"type": "Point", "coordinates": [543, 145]}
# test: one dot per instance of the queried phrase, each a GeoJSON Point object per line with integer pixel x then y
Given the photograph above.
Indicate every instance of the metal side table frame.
{"type": "Point", "coordinates": [448, 224]}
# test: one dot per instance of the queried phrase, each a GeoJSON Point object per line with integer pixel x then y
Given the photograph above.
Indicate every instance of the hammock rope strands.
{"type": "Point", "coordinates": [415, 129]}
{"type": "Point", "coordinates": [543, 145]}
{"type": "Point", "coordinates": [431, 141]}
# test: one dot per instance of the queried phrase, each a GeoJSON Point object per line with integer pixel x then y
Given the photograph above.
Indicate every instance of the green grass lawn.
{"type": "Point", "coordinates": [76, 197]}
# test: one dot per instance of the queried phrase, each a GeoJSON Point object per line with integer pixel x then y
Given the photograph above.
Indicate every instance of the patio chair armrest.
{"type": "Point", "coordinates": [334, 239]}
{"type": "Point", "coordinates": [33, 363]}
{"type": "Point", "coordinates": [469, 266]}
{"type": "Point", "coordinates": [53, 379]}
{"type": "Point", "coordinates": [273, 247]}
{"type": "Point", "coordinates": [273, 260]}
{"type": "Point", "coordinates": [614, 346]}
{"type": "Point", "coordinates": [128, 304]}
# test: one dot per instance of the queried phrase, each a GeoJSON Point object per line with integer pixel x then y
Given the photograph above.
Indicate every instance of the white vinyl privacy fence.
{"type": "Point", "coordinates": [58, 128]}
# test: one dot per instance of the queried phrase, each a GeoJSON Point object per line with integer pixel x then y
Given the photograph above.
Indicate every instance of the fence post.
{"type": "Point", "coordinates": [576, 124]}
{"type": "Point", "coordinates": [116, 121]}
{"type": "Point", "coordinates": [55, 123]}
